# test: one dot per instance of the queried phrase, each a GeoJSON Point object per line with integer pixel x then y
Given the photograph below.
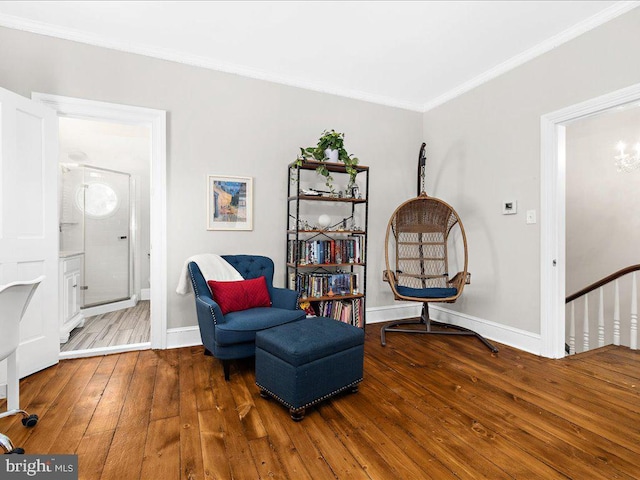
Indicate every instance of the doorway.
{"type": "Point", "coordinates": [144, 284]}
{"type": "Point", "coordinates": [553, 212]}
{"type": "Point", "coordinates": [104, 208]}
{"type": "Point", "coordinates": [104, 200]}
{"type": "Point", "coordinates": [602, 227]}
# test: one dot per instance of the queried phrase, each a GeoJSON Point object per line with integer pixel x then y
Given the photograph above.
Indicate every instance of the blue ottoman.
{"type": "Point", "coordinates": [305, 362]}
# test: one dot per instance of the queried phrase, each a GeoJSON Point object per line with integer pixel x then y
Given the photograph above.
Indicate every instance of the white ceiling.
{"type": "Point", "coordinates": [409, 54]}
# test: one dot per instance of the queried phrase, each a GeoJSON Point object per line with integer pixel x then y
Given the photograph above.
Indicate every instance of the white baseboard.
{"type": "Point", "coordinates": [145, 294]}
{"type": "Point", "coordinates": [393, 312]}
{"type": "Point", "coordinates": [513, 337]}
{"type": "Point", "coordinates": [520, 339]}
{"type": "Point", "coordinates": [183, 337]}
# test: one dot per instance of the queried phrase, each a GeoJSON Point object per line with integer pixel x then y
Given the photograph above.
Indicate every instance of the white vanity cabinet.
{"type": "Point", "coordinates": [70, 299]}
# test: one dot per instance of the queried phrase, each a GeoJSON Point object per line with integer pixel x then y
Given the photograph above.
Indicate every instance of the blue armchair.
{"type": "Point", "coordinates": [232, 336]}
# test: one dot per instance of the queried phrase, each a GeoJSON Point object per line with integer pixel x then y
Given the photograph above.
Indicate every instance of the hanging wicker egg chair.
{"type": "Point", "coordinates": [419, 237]}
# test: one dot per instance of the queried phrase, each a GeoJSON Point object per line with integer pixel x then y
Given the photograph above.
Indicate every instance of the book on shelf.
{"type": "Point", "coordinates": [346, 310]}
{"type": "Point", "coordinates": [318, 252]}
{"type": "Point", "coordinates": [322, 284]}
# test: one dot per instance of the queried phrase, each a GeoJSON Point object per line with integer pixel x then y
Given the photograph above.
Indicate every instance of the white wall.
{"type": "Point", "coordinates": [225, 124]}
{"type": "Point", "coordinates": [603, 225]}
{"type": "Point", "coordinates": [484, 148]}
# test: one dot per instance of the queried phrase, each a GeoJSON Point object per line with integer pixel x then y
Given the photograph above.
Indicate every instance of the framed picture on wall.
{"type": "Point", "coordinates": [229, 203]}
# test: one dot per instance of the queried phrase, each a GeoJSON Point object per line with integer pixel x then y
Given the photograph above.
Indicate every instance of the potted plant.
{"type": "Point", "coordinates": [330, 141]}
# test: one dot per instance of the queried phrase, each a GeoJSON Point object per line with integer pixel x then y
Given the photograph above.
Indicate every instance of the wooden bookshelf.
{"type": "Point", "coordinates": [312, 250]}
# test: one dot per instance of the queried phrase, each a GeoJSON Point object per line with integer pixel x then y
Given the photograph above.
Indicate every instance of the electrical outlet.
{"type": "Point", "coordinates": [509, 207]}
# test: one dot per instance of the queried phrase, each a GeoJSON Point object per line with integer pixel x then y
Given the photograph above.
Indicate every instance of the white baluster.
{"type": "Point", "coordinates": [572, 330]}
{"type": "Point", "coordinates": [585, 325]}
{"type": "Point", "coordinates": [601, 318]}
{"type": "Point", "coordinates": [616, 314]}
{"type": "Point", "coordinates": [633, 341]}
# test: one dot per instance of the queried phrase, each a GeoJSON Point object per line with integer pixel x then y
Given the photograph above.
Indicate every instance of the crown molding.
{"type": "Point", "coordinates": [32, 26]}
{"type": "Point", "coordinates": [42, 28]}
{"type": "Point", "coordinates": [619, 8]}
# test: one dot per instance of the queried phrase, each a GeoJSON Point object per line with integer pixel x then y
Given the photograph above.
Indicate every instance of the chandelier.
{"type": "Point", "coordinates": [626, 162]}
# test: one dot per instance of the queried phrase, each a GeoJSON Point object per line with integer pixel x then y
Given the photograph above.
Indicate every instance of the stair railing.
{"type": "Point", "coordinates": [599, 285]}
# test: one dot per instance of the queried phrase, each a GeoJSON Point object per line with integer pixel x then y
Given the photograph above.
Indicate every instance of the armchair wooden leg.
{"type": "Point", "coordinates": [226, 364]}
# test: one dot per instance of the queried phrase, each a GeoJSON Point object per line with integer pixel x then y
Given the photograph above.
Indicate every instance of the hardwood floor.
{"type": "Point", "coordinates": [429, 408]}
{"type": "Point", "coordinates": [122, 327]}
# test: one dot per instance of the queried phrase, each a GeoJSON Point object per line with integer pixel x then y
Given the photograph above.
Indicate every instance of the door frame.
{"type": "Point", "coordinates": [553, 212]}
{"type": "Point", "coordinates": [156, 120]}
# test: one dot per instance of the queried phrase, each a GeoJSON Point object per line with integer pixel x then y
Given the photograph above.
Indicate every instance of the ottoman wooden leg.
{"type": "Point", "coordinates": [264, 394]}
{"type": "Point", "coordinates": [354, 389]}
{"type": "Point", "coordinates": [296, 415]}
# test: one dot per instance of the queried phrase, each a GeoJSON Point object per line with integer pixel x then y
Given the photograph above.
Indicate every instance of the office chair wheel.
{"type": "Point", "coordinates": [30, 421]}
{"type": "Point", "coordinates": [18, 451]}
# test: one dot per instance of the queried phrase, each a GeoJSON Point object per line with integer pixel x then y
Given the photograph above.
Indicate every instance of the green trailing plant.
{"type": "Point", "coordinates": [332, 140]}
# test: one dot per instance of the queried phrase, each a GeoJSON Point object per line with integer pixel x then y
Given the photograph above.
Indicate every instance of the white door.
{"type": "Point", "coordinates": [29, 222]}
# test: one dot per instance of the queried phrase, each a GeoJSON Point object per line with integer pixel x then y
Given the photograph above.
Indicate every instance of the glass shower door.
{"type": "Point", "coordinates": [105, 200]}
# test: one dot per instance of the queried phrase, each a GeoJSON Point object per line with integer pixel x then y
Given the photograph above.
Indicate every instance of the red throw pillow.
{"type": "Point", "coordinates": [257, 292]}
{"type": "Point", "coordinates": [229, 296]}
{"type": "Point", "coordinates": [240, 295]}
